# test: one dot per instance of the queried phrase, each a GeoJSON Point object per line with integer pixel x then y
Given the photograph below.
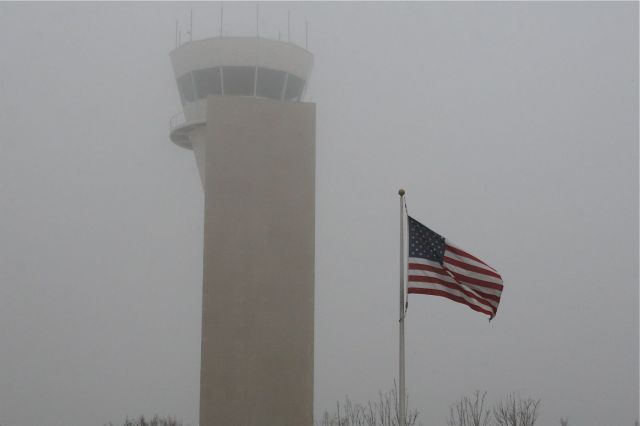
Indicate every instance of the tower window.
{"type": "Point", "coordinates": [270, 83]}
{"type": "Point", "coordinates": [207, 82]}
{"type": "Point", "coordinates": [185, 87]}
{"type": "Point", "coordinates": [294, 88]}
{"type": "Point", "coordinates": [238, 80]}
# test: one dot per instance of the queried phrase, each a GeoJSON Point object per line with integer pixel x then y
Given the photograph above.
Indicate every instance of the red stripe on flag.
{"type": "Point", "coordinates": [474, 288]}
{"type": "Point", "coordinates": [475, 281]}
{"type": "Point", "coordinates": [423, 279]}
{"type": "Point", "coordinates": [487, 295]}
{"type": "Point", "coordinates": [451, 297]}
{"type": "Point", "coordinates": [471, 268]}
{"type": "Point", "coordinates": [464, 253]}
{"type": "Point", "coordinates": [422, 267]}
{"type": "Point", "coordinates": [458, 278]}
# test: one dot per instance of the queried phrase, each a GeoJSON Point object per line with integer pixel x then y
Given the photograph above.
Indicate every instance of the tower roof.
{"type": "Point", "coordinates": [241, 51]}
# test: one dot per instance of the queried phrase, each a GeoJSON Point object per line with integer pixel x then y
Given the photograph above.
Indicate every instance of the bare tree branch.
{"type": "Point", "coordinates": [470, 411]}
{"type": "Point", "coordinates": [383, 412]}
{"type": "Point", "coordinates": [516, 411]}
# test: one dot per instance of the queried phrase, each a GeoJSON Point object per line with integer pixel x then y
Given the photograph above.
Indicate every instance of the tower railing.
{"type": "Point", "coordinates": [177, 120]}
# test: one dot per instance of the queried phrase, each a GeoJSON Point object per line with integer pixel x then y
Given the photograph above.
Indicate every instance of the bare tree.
{"type": "Point", "coordinates": [470, 411]}
{"type": "Point", "coordinates": [516, 411]}
{"type": "Point", "coordinates": [564, 422]}
{"type": "Point", "coordinates": [155, 421]}
{"type": "Point", "coordinates": [383, 412]}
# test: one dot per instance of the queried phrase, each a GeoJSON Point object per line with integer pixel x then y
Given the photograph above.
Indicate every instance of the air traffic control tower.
{"type": "Point", "coordinates": [254, 144]}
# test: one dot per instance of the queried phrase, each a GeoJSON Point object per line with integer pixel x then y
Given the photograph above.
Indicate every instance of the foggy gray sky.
{"type": "Point", "coordinates": [512, 126]}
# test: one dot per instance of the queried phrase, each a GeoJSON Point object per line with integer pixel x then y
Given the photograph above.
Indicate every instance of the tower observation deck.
{"type": "Point", "coordinates": [234, 66]}
{"type": "Point", "coordinates": [254, 142]}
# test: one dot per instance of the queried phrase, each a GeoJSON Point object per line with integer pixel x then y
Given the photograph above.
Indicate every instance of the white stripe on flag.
{"type": "Point", "coordinates": [448, 278]}
{"type": "Point", "coordinates": [471, 274]}
{"type": "Point", "coordinates": [466, 259]}
{"type": "Point", "coordinates": [481, 303]}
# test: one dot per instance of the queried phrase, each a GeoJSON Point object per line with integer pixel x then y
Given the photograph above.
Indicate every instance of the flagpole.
{"type": "Point", "coordinates": [401, 393]}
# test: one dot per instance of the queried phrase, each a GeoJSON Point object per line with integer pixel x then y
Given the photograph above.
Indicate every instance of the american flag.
{"type": "Point", "coordinates": [439, 268]}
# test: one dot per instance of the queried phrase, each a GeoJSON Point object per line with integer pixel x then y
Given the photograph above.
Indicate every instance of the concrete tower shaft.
{"type": "Point", "coordinates": [254, 142]}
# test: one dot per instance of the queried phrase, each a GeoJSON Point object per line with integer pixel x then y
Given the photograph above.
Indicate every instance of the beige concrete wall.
{"type": "Point", "coordinates": [198, 138]}
{"type": "Point", "coordinates": [257, 331]}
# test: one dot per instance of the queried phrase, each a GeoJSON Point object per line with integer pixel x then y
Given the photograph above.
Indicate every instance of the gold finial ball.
{"type": "Point", "coordinates": [401, 192]}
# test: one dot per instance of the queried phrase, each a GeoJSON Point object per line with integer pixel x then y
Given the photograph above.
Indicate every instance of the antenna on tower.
{"type": "Point", "coordinates": [191, 26]}
{"type": "Point", "coordinates": [221, 16]}
{"type": "Point", "coordinates": [257, 20]}
{"type": "Point", "coordinates": [176, 34]}
{"type": "Point", "coordinates": [288, 26]}
{"type": "Point", "coordinates": [306, 30]}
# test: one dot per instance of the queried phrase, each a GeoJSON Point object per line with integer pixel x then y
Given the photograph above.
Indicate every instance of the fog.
{"type": "Point", "coordinates": [513, 128]}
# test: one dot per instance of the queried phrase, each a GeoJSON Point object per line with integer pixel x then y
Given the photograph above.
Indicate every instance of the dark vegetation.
{"type": "Point", "coordinates": [155, 421]}
{"type": "Point", "coordinates": [472, 410]}
{"type": "Point", "coordinates": [511, 410]}
{"type": "Point", "coordinates": [382, 412]}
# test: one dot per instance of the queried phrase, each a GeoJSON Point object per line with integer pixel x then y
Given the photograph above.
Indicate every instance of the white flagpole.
{"type": "Point", "coordinates": [401, 393]}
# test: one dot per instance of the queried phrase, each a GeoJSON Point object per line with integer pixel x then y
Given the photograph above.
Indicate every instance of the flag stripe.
{"type": "Point", "coordinates": [451, 254]}
{"type": "Point", "coordinates": [478, 275]}
{"type": "Point", "coordinates": [458, 290]}
{"type": "Point", "coordinates": [418, 268]}
{"type": "Point", "coordinates": [492, 296]}
{"type": "Point", "coordinates": [419, 279]}
{"type": "Point", "coordinates": [421, 261]}
{"type": "Point", "coordinates": [482, 292]}
{"type": "Point", "coordinates": [450, 296]}
{"type": "Point", "coordinates": [420, 275]}
{"type": "Point", "coordinates": [467, 264]}
{"type": "Point", "coordinates": [458, 276]}
{"type": "Point", "coordinates": [417, 264]}
{"type": "Point", "coordinates": [463, 253]}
